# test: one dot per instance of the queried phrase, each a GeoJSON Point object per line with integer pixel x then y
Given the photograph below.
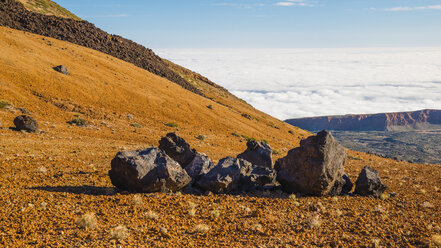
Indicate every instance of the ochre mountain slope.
{"type": "Point", "coordinates": [83, 33]}
{"type": "Point", "coordinates": [48, 7]}
{"type": "Point", "coordinates": [101, 88]}
{"type": "Point", "coordinates": [49, 180]}
{"type": "Point", "coordinates": [14, 15]}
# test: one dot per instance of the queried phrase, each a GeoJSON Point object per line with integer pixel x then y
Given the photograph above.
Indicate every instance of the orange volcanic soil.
{"type": "Point", "coordinates": [50, 179]}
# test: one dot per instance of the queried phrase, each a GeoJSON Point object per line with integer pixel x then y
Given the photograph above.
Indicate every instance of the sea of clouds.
{"type": "Point", "coordinates": [292, 83]}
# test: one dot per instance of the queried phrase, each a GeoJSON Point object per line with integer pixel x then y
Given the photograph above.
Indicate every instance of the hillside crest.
{"type": "Point", "coordinates": [48, 7]}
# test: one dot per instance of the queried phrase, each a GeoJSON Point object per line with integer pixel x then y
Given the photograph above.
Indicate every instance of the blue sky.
{"type": "Point", "coordinates": [266, 23]}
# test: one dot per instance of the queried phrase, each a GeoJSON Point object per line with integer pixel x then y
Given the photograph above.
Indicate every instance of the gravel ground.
{"type": "Point", "coordinates": [49, 182]}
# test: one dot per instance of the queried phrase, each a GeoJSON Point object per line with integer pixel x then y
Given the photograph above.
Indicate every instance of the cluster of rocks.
{"type": "Point", "coordinates": [314, 168]}
{"type": "Point", "coordinates": [175, 166]}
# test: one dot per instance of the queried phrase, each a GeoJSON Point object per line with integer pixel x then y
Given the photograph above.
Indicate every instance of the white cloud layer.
{"type": "Point", "coordinates": [430, 7]}
{"type": "Point", "coordinates": [289, 83]}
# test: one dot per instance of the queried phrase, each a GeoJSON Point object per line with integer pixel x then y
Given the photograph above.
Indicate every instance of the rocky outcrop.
{"type": "Point", "coordinates": [314, 168]}
{"type": "Point", "coordinates": [26, 123]}
{"type": "Point", "coordinates": [371, 122]}
{"type": "Point", "coordinates": [225, 176]}
{"type": "Point", "coordinates": [258, 153]}
{"type": "Point", "coordinates": [174, 166]}
{"type": "Point", "coordinates": [234, 175]}
{"type": "Point", "coordinates": [149, 170]}
{"type": "Point", "coordinates": [177, 148]}
{"type": "Point", "coordinates": [83, 33]}
{"type": "Point", "coordinates": [369, 183]}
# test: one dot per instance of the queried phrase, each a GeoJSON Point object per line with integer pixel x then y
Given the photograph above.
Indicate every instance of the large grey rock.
{"type": "Point", "coordinates": [258, 153]}
{"type": "Point", "coordinates": [369, 183]}
{"type": "Point", "coordinates": [177, 148]}
{"type": "Point", "coordinates": [62, 69]}
{"type": "Point", "coordinates": [226, 176]}
{"type": "Point", "coordinates": [314, 168]}
{"type": "Point", "coordinates": [200, 166]}
{"type": "Point", "coordinates": [149, 170]}
{"type": "Point", "coordinates": [26, 123]}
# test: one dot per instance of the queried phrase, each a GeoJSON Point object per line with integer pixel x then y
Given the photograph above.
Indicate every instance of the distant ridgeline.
{"type": "Point", "coordinates": [14, 15]}
{"type": "Point", "coordinates": [423, 119]}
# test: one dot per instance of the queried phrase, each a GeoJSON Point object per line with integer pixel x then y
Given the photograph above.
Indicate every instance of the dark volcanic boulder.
{"type": "Point", "coordinates": [200, 165]}
{"type": "Point", "coordinates": [26, 123]}
{"type": "Point", "coordinates": [347, 186]}
{"type": "Point", "coordinates": [258, 153]}
{"type": "Point", "coordinates": [342, 186]}
{"type": "Point", "coordinates": [314, 168]}
{"type": "Point", "coordinates": [149, 170]}
{"type": "Point", "coordinates": [259, 177]}
{"type": "Point", "coordinates": [235, 175]}
{"type": "Point", "coordinates": [369, 183]}
{"type": "Point", "coordinates": [177, 148]}
{"type": "Point", "coordinates": [62, 69]}
{"type": "Point", "coordinates": [225, 177]}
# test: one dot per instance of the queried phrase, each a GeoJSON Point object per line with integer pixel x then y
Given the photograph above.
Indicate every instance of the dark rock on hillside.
{"type": "Point", "coordinates": [314, 168]}
{"type": "Point", "coordinates": [258, 153]}
{"type": "Point", "coordinates": [62, 69]}
{"type": "Point", "coordinates": [200, 166]}
{"type": "Point", "coordinates": [26, 123]}
{"type": "Point", "coordinates": [83, 33]}
{"type": "Point", "coordinates": [177, 148]}
{"type": "Point", "coordinates": [149, 170]}
{"type": "Point", "coordinates": [369, 183]}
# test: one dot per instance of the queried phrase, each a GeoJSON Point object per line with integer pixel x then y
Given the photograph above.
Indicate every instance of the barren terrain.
{"type": "Point", "coordinates": [50, 179]}
{"type": "Point", "coordinates": [420, 146]}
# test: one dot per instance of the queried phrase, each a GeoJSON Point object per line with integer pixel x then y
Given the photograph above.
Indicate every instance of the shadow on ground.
{"type": "Point", "coordinates": [110, 191]}
{"type": "Point", "coordinates": [80, 190]}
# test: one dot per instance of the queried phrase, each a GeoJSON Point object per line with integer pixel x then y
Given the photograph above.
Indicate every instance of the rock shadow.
{"type": "Point", "coordinates": [80, 190]}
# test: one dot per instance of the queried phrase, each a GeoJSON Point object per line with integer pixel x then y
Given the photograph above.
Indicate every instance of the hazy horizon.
{"type": "Point", "coordinates": [294, 83]}
{"type": "Point", "coordinates": [293, 58]}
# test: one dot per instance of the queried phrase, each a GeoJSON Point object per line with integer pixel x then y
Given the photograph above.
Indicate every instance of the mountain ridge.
{"type": "Point", "coordinates": [48, 7]}
{"type": "Point", "coordinates": [394, 121]}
